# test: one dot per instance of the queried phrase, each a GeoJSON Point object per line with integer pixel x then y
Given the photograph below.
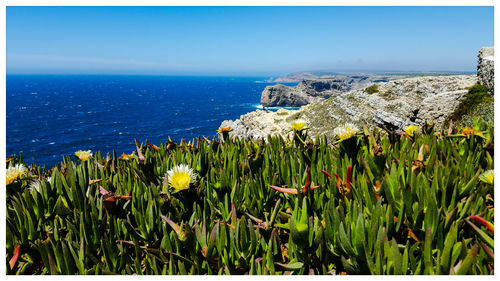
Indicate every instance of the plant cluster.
{"type": "Point", "coordinates": [477, 102]}
{"type": "Point", "coordinates": [371, 89]}
{"type": "Point", "coordinates": [420, 202]}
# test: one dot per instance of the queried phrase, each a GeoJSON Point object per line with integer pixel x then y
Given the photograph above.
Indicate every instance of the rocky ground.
{"type": "Point", "coordinates": [395, 104]}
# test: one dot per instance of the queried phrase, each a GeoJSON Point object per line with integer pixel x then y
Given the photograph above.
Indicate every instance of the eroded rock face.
{"type": "Point", "coordinates": [310, 91]}
{"type": "Point", "coordinates": [486, 68]}
{"type": "Point", "coordinates": [260, 123]}
{"type": "Point", "coordinates": [396, 104]}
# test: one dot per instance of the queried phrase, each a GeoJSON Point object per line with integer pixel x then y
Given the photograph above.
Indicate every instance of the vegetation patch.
{"type": "Point", "coordinates": [370, 204]}
{"type": "Point", "coordinates": [372, 89]}
{"type": "Point", "coordinates": [476, 95]}
{"type": "Point", "coordinates": [485, 111]}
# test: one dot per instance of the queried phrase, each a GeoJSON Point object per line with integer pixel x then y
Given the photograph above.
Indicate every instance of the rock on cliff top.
{"type": "Point", "coordinates": [316, 90]}
{"type": "Point", "coordinates": [486, 68]}
{"type": "Point", "coordinates": [394, 104]}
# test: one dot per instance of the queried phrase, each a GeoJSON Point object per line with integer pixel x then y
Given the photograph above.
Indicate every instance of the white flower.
{"type": "Point", "coordinates": [15, 172]}
{"type": "Point", "coordinates": [346, 132]}
{"type": "Point", "coordinates": [35, 185]}
{"type": "Point", "coordinates": [181, 176]}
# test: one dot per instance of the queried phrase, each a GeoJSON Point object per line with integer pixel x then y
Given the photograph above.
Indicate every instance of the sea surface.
{"type": "Point", "coordinates": [49, 116]}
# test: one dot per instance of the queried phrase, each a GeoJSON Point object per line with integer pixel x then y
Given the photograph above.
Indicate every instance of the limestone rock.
{"type": "Point", "coordinates": [259, 124]}
{"type": "Point", "coordinates": [316, 90]}
{"type": "Point", "coordinates": [486, 68]}
{"type": "Point", "coordinates": [396, 104]}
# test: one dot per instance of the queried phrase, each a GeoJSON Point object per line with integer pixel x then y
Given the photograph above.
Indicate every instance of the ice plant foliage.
{"type": "Point", "coordinates": [15, 172]}
{"type": "Point", "coordinates": [307, 186]}
{"type": "Point", "coordinates": [420, 205]}
{"type": "Point", "coordinates": [83, 155]}
{"type": "Point", "coordinates": [484, 223]}
{"type": "Point", "coordinates": [180, 177]}
{"type": "Point", "coordinates": [346, 132]}
{"type": "Point", "coordinates": [298, 125]}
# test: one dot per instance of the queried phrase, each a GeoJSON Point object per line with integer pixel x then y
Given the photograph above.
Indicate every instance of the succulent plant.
{"type": "Point", "coordinates": [422, 204]}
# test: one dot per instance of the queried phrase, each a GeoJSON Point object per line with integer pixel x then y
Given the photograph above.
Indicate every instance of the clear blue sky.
{"type": "Point", "coordinates": [244, 40]}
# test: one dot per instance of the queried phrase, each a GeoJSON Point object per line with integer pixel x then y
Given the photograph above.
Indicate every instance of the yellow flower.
{"type": "Point", "coordinates": [488, 176]}
{"type": "Point", "coordinates": [298, 125]}
{"type": "Point", "coordinates": [346, 132]}
{"type": "Point", "coordinates": [468, 131]}
{"type": "Point", "coordinates": [410, 130]}
{"type": "Point", "coordinates": [15, 172]}
{"type": "Point", "coordinates": [180, 177]}
{"type": "Point", "coordinates": [83, 155]}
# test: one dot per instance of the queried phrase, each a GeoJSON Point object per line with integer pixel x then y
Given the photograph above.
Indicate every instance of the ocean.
{"type": "Point", "coordinates": [49, 116]}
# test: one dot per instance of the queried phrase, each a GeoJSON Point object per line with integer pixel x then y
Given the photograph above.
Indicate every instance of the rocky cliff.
{"type": "Point", "coordinates": [394, 104]}
{"type": "Point", "coordinates": [486, 68]}
{"type": "Point", "coordinates": [316, 90]}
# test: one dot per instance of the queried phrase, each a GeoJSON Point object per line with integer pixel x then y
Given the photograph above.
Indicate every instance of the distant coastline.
{"type": "Point", "coordinates": [296, 77]}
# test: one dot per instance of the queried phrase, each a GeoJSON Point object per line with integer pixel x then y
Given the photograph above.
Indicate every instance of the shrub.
{"type": "Point", "coordinates": [372, 89]}
{"type": "Point", "coordinates": [477, 94]}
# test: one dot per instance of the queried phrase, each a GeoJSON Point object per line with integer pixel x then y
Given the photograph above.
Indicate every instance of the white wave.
{"type": "Point", "coordinates": [274, 108]}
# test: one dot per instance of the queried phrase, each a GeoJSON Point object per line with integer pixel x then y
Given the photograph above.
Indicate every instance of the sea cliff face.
{"type": "Point", "coordinates": [316, 90]}
{"type": "Point", "coordinates": [394, 104]}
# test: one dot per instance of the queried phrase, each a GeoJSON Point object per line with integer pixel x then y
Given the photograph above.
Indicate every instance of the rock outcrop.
{"type": "Point", "coordinates": [486, 68]}
{"type": "Point", "coordinates": [316, 90]}
{"type": "Point", "coordinates": [394, 104]}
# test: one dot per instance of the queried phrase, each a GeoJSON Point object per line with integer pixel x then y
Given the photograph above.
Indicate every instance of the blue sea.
{"type": "Point", "coordinates": [49, 116]}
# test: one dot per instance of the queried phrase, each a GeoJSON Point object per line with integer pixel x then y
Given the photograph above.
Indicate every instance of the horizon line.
{"type": "Point", "coordinates": [320, 72]}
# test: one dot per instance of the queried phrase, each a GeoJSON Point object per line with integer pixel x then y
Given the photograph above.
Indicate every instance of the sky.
{"type": "Point", "coordinates": [244, 41]}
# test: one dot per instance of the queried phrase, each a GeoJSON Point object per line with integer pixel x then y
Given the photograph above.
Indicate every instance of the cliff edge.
{"type": "Point", "coordinates": [394, 104]}
{"type": "Point", "coordinates": [316, 90]}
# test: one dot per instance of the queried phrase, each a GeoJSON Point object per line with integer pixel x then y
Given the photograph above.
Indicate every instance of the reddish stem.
{"type": "Point", "coordinates": [326, 174]}
{"type": "Point", "coordinates": [14, 258]}
{"type": "Point", "coordinates": [349, 176]}
{"type": "Point", "coordinates": [484, 223]}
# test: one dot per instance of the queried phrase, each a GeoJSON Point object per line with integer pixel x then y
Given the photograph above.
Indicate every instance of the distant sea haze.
{"type": "Point", "coordinates": [49, 116]}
